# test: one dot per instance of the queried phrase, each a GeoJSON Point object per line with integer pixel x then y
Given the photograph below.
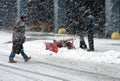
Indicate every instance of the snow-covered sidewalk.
{"type": "Point", "coordinates": [105, 60]}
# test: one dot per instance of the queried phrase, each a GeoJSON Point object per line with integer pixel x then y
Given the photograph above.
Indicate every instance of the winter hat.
{"type": "Point", "coordinates": [87, 12]}
{"type": "Point", "coordinates": [22, 17]}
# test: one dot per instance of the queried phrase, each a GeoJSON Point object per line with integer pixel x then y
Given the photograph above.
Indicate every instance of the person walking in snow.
{"type": "Point", "coordinates": [80, 32]}
{"type": "Point", "coordinates": [18, 39]}
{"type": "Point", "coordinates": [89, 27]}
{"type": "Point", "coordinates": [71, 27]}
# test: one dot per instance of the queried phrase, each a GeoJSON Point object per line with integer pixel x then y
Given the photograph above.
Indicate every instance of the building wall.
{"type": "Point", "coordinates": [40, 11]}
{"type": "Point", "coordinates": [43, 10]}
{"type": "Point", "coordinates": [76, 8]}
{"type": "Point", "coordinates": [7, 12]}
{"type": "Point", "coordinates": [112, 16]}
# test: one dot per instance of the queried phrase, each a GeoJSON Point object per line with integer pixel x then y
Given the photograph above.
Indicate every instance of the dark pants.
{"type": "Point", "coordinates": [90, 40]}
{"type": "Point", "coordinates": [82, 41]}
{"type": "Point", "coordinates": [12, 55]}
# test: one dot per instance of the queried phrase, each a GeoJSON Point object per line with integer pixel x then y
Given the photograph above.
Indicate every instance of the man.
{"type": "Point", "coordinates": [80, 31]}
{"type": "Point", "coordinates": [90, 30]}
{"type": "Point", "coordinates": [18, 39]}
{"type": "Point", "coordinates": [72, 28]}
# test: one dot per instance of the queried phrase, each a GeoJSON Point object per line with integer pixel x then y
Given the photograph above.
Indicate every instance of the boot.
{"type": "Point", "coordinates": [12, 61]}
{"type": "Point", "coordinates": [83, 45]}
{"type": "Point", "coordinates": [90, 50]}
{"type": "Point", "coordinates": [27, 59]}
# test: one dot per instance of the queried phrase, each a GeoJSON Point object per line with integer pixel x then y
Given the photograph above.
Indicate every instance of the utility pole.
{"type": "Point", "coordinates": [18, 9]}
{"type": "Point", "coordinates": [21, 8]}
{"type": "Point", "coordinates": [112, 16]}
{"type": "Point", "coordinates": [59, 14]}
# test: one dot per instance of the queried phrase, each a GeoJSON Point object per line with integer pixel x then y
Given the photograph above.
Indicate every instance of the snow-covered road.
{"type": "Point", "coordinates": [59, 67]}
{"type": "Point", "coordinates": [37, 70]}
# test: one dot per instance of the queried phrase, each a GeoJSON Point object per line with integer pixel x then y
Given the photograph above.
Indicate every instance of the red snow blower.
{"type": "Point", "coordinates": [58, 44]}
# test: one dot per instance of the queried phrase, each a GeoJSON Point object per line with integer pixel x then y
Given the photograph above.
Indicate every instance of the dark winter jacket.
{"type": "Point", "coordinates": [89, 25]}
{"type": "Point", "coordinates": [18, 36]}
{"type": "Point", "coordinates": [71, 28]}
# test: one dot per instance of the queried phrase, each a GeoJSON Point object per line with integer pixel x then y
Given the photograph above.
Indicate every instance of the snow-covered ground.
{"type": "Point", "coordinates": [66, 65]}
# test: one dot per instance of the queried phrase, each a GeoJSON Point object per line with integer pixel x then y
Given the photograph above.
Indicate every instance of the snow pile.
{"type": "Point", "coordinates": [36, 48]}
